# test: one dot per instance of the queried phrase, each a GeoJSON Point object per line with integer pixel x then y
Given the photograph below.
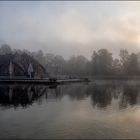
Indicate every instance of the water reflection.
{"type": "Point", "coordinates": [105, 95]}
{"type": "Point", "coordinates": [101, 96]}
{"type": "Point", "coordinates": [20, 95]}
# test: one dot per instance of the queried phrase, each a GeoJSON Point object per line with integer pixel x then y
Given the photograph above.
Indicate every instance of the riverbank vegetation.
{"type": "Point", "coordinates": [101, 63]}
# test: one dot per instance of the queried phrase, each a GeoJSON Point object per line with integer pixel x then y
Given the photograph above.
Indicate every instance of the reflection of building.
{"type": "Point", "coordinates": [20, 95]}
{"type": "Point", "coordinates": [21, 65]}
{"type": "Point", "coordinates": [24, 95]}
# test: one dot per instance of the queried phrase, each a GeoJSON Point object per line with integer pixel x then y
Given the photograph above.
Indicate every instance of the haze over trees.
{"type": "Point", "coordinates": [101, 63]}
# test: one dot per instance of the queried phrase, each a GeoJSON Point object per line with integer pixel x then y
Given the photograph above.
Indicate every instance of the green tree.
{"type": "Point", "coordinates": [133, 66]}
{"type": "Point", "coordinates": [102, 62]}
{"type": "Point", "coordinates": [5, 49]}
{"type": "Point", "coordinates": [124, 59]}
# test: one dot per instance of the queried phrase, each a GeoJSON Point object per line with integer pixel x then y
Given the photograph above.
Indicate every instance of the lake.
{"type": "Point", "coordinates": [78, 110]}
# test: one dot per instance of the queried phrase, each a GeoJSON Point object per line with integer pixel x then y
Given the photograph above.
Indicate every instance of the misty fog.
{"type": "Point", "coordinates": [70, 28]}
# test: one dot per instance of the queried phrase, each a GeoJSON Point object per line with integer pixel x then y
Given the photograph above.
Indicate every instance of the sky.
{"type": "Point", "coordinates": [71, 27]}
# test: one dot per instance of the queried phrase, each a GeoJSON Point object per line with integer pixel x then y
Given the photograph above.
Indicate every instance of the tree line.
{"type": "Point", "coordinates": [101, 63]}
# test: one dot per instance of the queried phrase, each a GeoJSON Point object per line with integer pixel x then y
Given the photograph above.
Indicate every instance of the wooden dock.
{"type": "Point", "coordinates": [49, 81]}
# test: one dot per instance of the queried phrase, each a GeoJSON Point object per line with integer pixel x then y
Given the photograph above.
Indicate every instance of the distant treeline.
{"type": "Point", "coordinates": [101, 63]}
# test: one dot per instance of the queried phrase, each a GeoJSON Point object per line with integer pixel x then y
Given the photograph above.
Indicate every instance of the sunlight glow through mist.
{"type": "Point", "coordinates": [68, 28]}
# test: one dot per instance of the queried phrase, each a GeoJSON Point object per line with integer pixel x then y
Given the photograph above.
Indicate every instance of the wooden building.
{"type": "Point", "coordinates": [21, 65]}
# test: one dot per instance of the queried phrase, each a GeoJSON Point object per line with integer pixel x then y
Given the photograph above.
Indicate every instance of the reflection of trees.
{"type": "Point", "coordinates": [101, 96]}
{"type": "Point", "coordinates": [53, 93]}
{"type": "Point", "coordinates": [75, 91]}
{"type": "Point", "coordinates": [126, 95]}
{"type": "Point", "coordinates": [129, 96]}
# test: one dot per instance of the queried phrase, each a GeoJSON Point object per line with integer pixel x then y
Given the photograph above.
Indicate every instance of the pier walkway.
{"type": "Point", "coordinates": [46, 81]}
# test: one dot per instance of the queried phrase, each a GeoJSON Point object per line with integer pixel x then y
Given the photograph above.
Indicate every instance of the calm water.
{"type": "Point", "coordinates": [77, 110]}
